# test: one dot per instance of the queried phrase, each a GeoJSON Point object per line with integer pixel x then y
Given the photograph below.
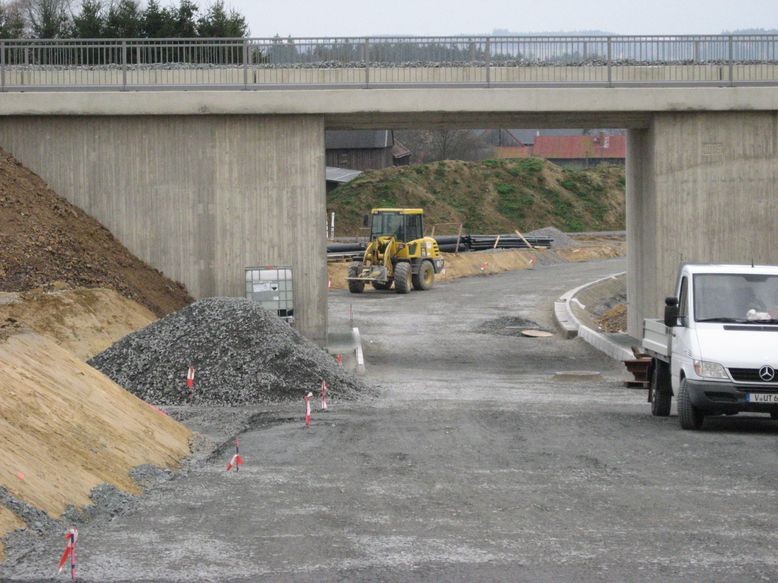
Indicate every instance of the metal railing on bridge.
{"type": "Point", "coordinates": [497, 61]}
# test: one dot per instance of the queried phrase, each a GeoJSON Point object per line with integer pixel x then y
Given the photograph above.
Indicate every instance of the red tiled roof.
{"type": "Point", "coordinates": [578, 147]}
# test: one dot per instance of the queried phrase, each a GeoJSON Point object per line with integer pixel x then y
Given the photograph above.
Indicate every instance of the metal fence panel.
{"type": "Point", "coordinates": [263, 63]}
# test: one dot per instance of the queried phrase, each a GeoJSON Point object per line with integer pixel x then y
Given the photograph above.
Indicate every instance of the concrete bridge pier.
{"type": "Point", "coordinates": [701, 186]}
{"type": "Point", "coordinates": [199, 197]}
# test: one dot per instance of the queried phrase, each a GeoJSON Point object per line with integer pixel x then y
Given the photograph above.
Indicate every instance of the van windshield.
{"type": "Point", "coordinates": [744, 298]}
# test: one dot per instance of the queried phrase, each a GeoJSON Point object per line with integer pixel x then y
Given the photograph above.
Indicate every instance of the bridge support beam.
{"type": "Point", "coordinates": [197, 197]}
{"type": "Point", "coordinates": [701, 187]}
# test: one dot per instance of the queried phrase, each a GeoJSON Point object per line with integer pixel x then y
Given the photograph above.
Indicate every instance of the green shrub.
{"type": "Point", "coordinates": [569, 184]}
{"type": "Point", "coordinates": [531, 165]}
{"type": "Point", "coordinates": [505, 189]}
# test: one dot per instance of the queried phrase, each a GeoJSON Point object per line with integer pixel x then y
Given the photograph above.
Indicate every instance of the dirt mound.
{"type": "Point", "coordinates": [44, 238]}
{"type": "Point", "coordinates": [66, 429]}
{"type": "Point", "coordinates": [493, 196]}
{"type": "Point", "coordinates": [500, 260]}
{"type": "Point", "coordinates": [614, 319]}
{"type": "Point", "coordinates": [83, 321]}
{"type": "Point", "coordinates": [242, 354]}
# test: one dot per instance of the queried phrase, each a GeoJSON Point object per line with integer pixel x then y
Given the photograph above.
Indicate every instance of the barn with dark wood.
{"type": "Point", "coordinates": [364, 149]}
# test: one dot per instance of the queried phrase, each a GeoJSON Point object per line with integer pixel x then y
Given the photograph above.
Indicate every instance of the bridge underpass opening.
{"type": "Point", "coordinates": [700, 187]}
{"type": "Point", "coordinates": [184, 179]}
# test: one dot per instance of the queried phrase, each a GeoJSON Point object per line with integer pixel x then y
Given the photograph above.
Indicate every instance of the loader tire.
{"type": "Point", "coordinates": [355, 287]}
{"type": "Point", "coordinates": [402, 278]}
{"type": "Point", "coordinates": [426, 276]}
{"type": "Point", "coordinates": [661, 394]}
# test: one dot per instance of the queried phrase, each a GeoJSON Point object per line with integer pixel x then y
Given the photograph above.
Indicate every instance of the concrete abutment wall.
{"type": "Point", "coordinates": [198, 197]}
{"type": "Point", "coordinates": [701, 187]}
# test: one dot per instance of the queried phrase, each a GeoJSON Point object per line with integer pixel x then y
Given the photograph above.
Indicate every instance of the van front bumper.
{"type": "Point", "coordinates": [728, 397]}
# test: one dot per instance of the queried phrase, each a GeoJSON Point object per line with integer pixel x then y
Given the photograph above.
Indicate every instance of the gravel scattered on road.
{"type": "Point", "coordinates": [508, 326]}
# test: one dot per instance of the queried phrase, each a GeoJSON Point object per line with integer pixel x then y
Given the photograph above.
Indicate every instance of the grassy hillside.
{"type": "Point", "coordinates": [493, 196]}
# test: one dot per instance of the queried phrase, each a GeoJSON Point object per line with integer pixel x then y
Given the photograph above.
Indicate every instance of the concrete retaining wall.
{"type": "Point", "coordinates": [701, 187]}
{"type": "Point", "coordinates": [198, 197]}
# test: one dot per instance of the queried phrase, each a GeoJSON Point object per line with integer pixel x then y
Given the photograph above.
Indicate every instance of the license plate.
{"type": "Point", "coordinates": [762, 398]}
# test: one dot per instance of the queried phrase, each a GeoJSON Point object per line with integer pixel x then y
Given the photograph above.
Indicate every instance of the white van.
{"type": "Point", "coordinates": [717, 348]}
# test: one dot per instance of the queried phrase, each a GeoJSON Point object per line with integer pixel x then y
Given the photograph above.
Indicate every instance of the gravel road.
{"type": "Point", "coordinates": [471, 465]}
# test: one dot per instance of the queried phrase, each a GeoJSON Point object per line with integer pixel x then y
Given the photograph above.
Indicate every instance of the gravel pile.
{"type": "Point", "coordinates": [242, 354]}
{"type": "Point", "coordinates": [559, 239]}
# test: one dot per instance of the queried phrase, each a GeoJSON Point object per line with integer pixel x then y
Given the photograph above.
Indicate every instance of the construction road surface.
{"type": "Point", "coordinates": [471, 465]}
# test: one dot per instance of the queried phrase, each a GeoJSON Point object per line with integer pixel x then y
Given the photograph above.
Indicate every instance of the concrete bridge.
{"type": "Point", "coordinates": [201, 177]}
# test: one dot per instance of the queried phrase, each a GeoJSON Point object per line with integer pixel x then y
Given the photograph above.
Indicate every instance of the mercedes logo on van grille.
{"type": "Point", "coordinates": [767, 373]}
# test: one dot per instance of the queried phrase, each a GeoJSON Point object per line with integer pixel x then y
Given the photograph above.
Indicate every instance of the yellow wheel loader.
{"type": "Point", "coordinates": [398, 253]}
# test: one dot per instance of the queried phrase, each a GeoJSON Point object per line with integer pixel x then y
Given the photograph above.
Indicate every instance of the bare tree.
{"type": "Point", "coordinates": [434, 145]}
{"type": "Point", "coordinates": [12, 23]}
{"type": "Point", "coordinates": [48, 18]}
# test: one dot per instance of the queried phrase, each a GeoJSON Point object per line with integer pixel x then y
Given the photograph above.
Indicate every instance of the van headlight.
{"type": "Point", "coordinates": [709, 370]}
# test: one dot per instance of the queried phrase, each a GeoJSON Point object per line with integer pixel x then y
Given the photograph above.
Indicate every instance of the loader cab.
{"type": "Point", "coordinates": [402, 224]}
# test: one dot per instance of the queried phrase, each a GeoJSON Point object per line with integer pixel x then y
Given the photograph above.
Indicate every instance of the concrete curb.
{"type": "Point", "coordinates": [571, 326]}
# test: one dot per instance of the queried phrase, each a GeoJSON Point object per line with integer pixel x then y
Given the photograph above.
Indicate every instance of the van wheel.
{"type": "Point", "coordinates": [689, 416]}
{"type": "Point", "coordinates": [661, 394]}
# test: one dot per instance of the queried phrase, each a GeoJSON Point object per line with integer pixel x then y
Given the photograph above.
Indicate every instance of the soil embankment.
{"type": "Point", "coordinates": [45, 239]}
{"type": "Point", "coordinates": [82, 321]}
{"type": "Point", "coordinates": [499, 261]}
{"type": "Point", "coordinates": [66, 429]}
{"type": "Point", "coordinates": [493, 196]}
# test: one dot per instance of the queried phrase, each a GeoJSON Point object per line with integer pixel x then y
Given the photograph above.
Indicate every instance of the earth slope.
{"type": "Point", "coordinates": [493, 196]}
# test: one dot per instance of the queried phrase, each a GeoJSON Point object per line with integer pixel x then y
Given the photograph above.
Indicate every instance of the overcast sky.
{"type": "Point", "coordinates": [433, 17]}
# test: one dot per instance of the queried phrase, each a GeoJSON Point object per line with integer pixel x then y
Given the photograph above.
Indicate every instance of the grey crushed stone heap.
{"type": "Point", "coordinates": [242, 354]}
{"type": "Point", "coordinates": [559, 238]}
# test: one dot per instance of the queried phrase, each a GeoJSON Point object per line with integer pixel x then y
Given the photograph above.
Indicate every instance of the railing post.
{"type": "Point", "coordinates": [488, 61]}
{"type": "Point", "coordinates": [2, 66]}
{"type": "Point", "coordinates": [610, 62]}
{"type": "Point", "coordinates": [367, 62]}
{"type": "Point", "coordinates": [124, 65]}
{"type": "Point", "coordinates": [731, 62]}
{"type": "Point", "coordinates": [245, 63]}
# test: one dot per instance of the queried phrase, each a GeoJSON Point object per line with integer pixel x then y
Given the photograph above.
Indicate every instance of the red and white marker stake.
{"type": "Point", "coordinates": [190, 377]}
{"type": "Point", "coordinates": [307, 398]}
{"type": "Point", "coordinates": [323, 395]}
{"type": "Point", "coordinates": [236, 460]}
{"type": "Point", "coordinates": [70, 551]}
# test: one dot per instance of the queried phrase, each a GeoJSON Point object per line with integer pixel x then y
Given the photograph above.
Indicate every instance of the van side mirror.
{"type": "Point", "coordinates": [365, 220]}
{"type": "Point", "coordinates": [671, 312]}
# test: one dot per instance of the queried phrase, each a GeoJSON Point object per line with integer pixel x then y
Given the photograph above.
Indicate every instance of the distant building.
{"type": "Point", "coordinates": [364, 149]}
{"type": "Point", "coordinates": [579, 151]}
